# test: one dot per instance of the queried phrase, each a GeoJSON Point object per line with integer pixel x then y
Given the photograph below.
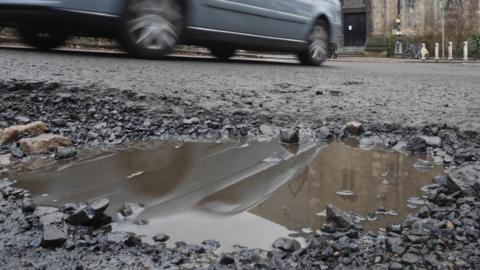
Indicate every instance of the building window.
{"type": "Point", "coordinates": [410, 3]}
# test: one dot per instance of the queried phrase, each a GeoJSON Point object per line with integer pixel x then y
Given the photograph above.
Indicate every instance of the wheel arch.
{"type": "Point", "coordinates": [322, 17]}
{"type": "Point", "coordinates": [182, 4]}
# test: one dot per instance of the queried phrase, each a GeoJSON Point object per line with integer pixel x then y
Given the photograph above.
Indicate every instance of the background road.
{"type": "Point", "coordinates": [410, 94]}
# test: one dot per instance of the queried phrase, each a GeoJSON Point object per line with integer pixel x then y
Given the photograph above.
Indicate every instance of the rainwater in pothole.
{"type": "Point", "coordinates": [240, 194]}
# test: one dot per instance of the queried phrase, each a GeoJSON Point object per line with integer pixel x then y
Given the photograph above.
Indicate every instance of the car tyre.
{"type": "Point", "coordinates": [151, 28]}
{"type": "Point", "coordinates": [318, 43]}
{"type": "Point", "coordinates": [42, 40]}
{"type": "Point", "coordinates": [222, 53]}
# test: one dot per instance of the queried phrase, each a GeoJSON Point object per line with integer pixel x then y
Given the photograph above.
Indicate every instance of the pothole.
{"type": "Point", "coordinates": [240, 194]}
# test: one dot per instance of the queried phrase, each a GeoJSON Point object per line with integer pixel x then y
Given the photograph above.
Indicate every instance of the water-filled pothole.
{"type": "Point", "coordinates": [237, 193]}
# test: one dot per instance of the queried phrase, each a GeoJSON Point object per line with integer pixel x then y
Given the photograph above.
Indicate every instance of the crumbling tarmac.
{"type": "Point", "coordinates": [444, 234]}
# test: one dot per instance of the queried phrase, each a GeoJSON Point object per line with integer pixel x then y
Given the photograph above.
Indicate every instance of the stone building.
{"type": "Point", "coordinates": [365, 22]}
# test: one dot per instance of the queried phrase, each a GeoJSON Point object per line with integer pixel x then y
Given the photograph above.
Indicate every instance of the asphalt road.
{"type": "Point", "coordinates": [411, 94]}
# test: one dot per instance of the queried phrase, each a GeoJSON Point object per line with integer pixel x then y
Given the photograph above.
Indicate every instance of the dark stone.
{"type": "Point", "coordinates": [53, 237]}
{"type": "Point", "coordinates": [133, 241]}
{"type": "Point", "coordinates": [466, 179]}
{"type": "Point", "coordinates": [90, 215]}
{"type": "Point", "coordinates": [28, 206]}
{"type": "Point", "coordinates": [291, 136]}
{"type": "Point", "coordinates": [80, 217]}
{"type": "Point", "coordinates": [226, 260]}
{"type": "Point", "coordinates": [286, 244]}
{"type": "Point", "coordinates": [353, 234]}
{"type": "Point", "coordinates": [160, 238]}
{"type": "Point", "coordinates": [423, 212]}
{"type": "Point", "coordinates": [417, 145]}
{"type": "Point", "coordinates": [65, 153]}
{"type": "Point", "coordinates": [339, 217]}
{"type": "Point", "coordinates": [330, 227]}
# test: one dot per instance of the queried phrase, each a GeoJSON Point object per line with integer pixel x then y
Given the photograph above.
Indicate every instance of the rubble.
{"type": "Point", "coordinates": [43, 143]}
{"type": "Point", "coordinates": [53, 237]}
{"type": "Point", "coordinates": [466, 179]}
{"type": "Point", "coordinates": [286, 244]}
{"type": "Point", "coordinates": [339, 217]}
{"type": "Point", "coordinates": [9, 134]}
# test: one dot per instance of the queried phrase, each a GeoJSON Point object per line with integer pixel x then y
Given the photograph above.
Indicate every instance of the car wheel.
{"type": "Point", "coordinates": [222, 53]}
{"type": "Point", "coordinates": [151, 28]}
{"type": "Point", "coordinates": [43, 40]}
{"type": "Point", "coordinates": [317, 46]}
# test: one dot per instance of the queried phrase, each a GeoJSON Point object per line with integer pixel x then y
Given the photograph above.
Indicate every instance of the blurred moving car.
{"type": "Point", "coordinates": [151, 28]}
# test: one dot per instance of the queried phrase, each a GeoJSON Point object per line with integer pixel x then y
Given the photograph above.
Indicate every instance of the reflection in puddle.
{"type": "Point", "coordinates": [240, 194]}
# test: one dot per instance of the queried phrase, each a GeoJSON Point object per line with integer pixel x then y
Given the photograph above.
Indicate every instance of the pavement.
{"type": "Point", "coordinates": [370, 90]}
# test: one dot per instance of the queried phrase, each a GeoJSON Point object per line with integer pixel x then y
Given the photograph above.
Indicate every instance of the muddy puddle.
{"type": "Point", "coordinates": [241, 194]}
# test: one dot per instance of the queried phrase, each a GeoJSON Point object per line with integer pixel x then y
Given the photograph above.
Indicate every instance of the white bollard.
{"type": "Point", "coordinates": [437, 51]}
{"type": "Point", "coordinates": [465, 51]}
{"type": "Point", "coordinates": [450, 51]}
{"type": "Point", "coordinates": [423, 52]}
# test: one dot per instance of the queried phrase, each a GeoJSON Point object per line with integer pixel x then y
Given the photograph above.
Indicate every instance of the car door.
{"type": "Point", "coordinates": [104, 7]}
{"type": "Point", "coordinates": [239, 16]}
{"type": "Point", "coordinates": [292, 17]}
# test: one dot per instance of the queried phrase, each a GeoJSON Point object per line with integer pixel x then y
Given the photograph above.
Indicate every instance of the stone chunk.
{"type": "Point", "coordinates": [291, 136]}
{"type": "Point", "coordinates": [466, 179]}
{"type": "Point", "coordinates": [90, 215]}
{"type": "Point", "coordinates": [80, 217]}
{"type": "Point", "coordinates": [53, 237]}
{"type": "Point", "coordinates": [410, 258]}
{"type": "Point", "coordinates": [417, 145]}
{"type": "Point", "coordinates": [286, 244]}
{"type": "Point", "coordinates": [99, 206]}
{"type": "Point", "coordinates": [226, 260]}
{"type": "Point", "coordinates": [43, 143]}
{"type": "Point", "coordinates": [9, 134]}
{"type": "Point", "coordinates": [339, 217]}
{"type": "Point", "coordinates": [355, 128]}
{"type": "Point", "coordinates": [161, 238]}
{"type": "Point", "coordinates": [433, 141]}
{"type": "Point", "coordinates": [130, 211]}
{"type": "Point", "coordinates": [324, 133]}
{"type": "Point", "coordinates": [65, 153]}
{"type": "Point", "coordinates": [5, 160]}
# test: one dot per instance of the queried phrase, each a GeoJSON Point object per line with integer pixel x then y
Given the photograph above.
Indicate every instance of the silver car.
{"type": "Point", "coordinates": [151, 28]}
